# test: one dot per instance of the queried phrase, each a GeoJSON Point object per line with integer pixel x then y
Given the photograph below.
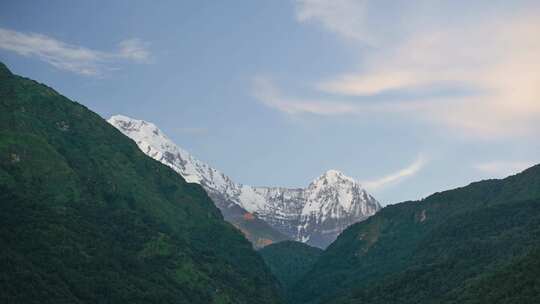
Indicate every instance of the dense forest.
{"type": "Point", "coordinates": [88, 218]}
{"type": "Point", "coordinates": [289, 261]}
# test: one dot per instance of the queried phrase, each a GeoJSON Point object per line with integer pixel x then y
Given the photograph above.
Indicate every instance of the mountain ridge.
{"type": "Point", "coordinates": [88, 218]}
{"type": "Point", "coordinates": [426, 251]}
{"type": "Point", "coordinates": [314, 215]}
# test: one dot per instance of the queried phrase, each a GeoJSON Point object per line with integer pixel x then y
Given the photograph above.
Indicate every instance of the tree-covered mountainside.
{"type": "Point", "coordinates": [516, 283]}
{"type": "Point", "coordinates": [429, 251]}
{"type": "Point", "coordinates": [88, 218]}
{"type": "Point", "coordinates": [219, 187]}
{"type": "Point", "coordinates": [289, 260]}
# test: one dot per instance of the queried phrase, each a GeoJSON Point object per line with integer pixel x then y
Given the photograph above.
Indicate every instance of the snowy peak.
{"type": "Point", "coordinates": [315, 215]}
{"type": "Point", "coordinates": [143, 129]}
{"type": "Point", "coordinates": [129, 124]}
{"type": "Point", "coordinates": [236, 202]}
{"type": "Point", "coordinates": [332, 177]}
{"type": "Point", "coordinates": [334, 195]}
{"type": "Point", "coordinates": [334, 189]}
{"type": "Point", "coordinates": [155, 144]}
{"type": "Point", "coordinates": [334, 174]}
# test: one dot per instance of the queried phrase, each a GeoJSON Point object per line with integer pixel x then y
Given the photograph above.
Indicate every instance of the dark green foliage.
{"type": "Point", "coordinates": [427, 251]}
{"type": "Point", "coordinates": [88, 218]}
{"type": "Point", "coordinates": [518, 282]}
{"type": "Point", "coordinates": [289, 260]}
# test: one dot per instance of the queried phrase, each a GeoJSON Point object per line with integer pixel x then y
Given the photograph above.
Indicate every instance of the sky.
{"type": "Point", "coordinates": [408, 97]}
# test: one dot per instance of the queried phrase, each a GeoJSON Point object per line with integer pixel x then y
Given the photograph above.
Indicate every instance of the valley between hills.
{"type": "Point", "coordinates": [97, 211]}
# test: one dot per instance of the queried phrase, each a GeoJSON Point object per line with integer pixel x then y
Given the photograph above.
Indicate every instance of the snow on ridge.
{"type": "Point", "coordinates": [332, 196]}
{"type": "Point", "coordinates": [333, 176]}
{"type": "Point", "coordinates": [152, 141]}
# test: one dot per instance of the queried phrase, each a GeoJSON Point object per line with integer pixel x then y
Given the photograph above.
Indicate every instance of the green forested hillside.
{"type": "Point", "coordinates": [429, 251]}
{"type": "Point", "coordinates": [289, 261]}
{"type": "Point", "coordinates": [517, 282]}
{"type": "Point", "coordinates": [88, 218]}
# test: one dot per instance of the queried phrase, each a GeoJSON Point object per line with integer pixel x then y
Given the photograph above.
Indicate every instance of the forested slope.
{"type": "Point", "coordinates": [88, 218]}
{"type": "Point", "coordinates": [427, 251]}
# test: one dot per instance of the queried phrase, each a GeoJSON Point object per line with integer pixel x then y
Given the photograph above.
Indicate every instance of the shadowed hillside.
{"type": "Point", "coordinates": [429, 251]}
{"type": "Point", "coordinates": [88, 218]}
{"type": "Point", "coordinates": [289, 261]}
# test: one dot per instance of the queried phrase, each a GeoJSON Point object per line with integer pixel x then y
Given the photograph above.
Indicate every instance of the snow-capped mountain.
{"type": "Point", "coordinates": [319, 213]}
{"type": "Point", "coordinates": [314, 215]}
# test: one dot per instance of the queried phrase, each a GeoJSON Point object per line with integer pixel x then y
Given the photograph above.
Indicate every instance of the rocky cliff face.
{"type": "Point", "coordinates": [319, 213]}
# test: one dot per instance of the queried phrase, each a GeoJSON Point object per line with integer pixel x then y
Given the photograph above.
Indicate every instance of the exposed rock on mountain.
{"type": "Point", "coordinates": [314, 215]}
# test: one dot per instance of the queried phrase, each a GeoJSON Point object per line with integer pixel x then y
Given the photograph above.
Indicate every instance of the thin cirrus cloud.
{"type": "Point", "coordinates": [493, 56]}
{"type": "Point", "coordinates": [340, 16]}
{"type": "Point", "coordinates": [269, 94]}
{"type": "Point", "coordinates": [72, 58]}
{"type": "Point", "coordinates": [397, 176]}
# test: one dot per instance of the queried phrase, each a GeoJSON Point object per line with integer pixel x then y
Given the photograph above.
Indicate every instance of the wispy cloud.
{"type": "Point", "coordinates": [69, 57]}
{"type": "Point", "coordinates": [506, 98]}
{"type": "Point", "coordinates": [502, 168]}
{"type": "Point", "coordinates": [268, 93]}
{"type": "Point", "coordinates": [133, 49]}
{"type": "Point", "coordinates": [397, 176]}
{"type": "Point", "coordinates": [345, 17]}
{"type": "Point", "coordinates": [492, 56]}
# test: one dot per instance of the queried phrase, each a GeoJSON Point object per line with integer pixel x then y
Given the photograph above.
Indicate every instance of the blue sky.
{"type": "Point", "coordinates": [409, 97]}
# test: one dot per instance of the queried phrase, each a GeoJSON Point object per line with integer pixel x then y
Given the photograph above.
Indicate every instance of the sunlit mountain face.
{"type": "Point", "coordinates": [315, 215]}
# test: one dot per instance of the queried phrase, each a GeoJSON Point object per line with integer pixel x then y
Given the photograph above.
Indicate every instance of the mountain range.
{"type": "Point", "coordinates": [315, 215]}
{"type": "Point", "coordinates": [87, 217]}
